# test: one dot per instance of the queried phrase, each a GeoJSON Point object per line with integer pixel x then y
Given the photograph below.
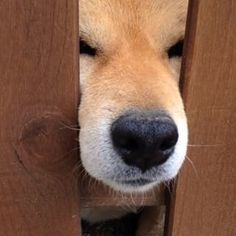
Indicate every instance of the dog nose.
{"type": "Point", "coordinates": [144, 140]}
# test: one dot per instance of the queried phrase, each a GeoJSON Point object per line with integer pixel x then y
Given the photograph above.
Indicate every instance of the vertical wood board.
{"type": "Point", "coordinates": [204, 202]}
{"type": "Point", "coordinates": [38, 101]}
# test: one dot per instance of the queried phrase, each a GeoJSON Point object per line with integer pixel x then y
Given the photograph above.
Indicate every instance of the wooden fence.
{"type": "Point", "coordinates": [39, 93]}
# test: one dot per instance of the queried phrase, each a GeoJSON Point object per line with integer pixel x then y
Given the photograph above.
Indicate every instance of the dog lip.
{"type": "Point", "coordinates": [135, 182]}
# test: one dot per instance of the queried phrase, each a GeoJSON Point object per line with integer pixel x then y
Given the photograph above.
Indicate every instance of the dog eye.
{"type": "Point", "coordinates": [87, 49]}
{"type": "Point", "coordinates": [176, 50]}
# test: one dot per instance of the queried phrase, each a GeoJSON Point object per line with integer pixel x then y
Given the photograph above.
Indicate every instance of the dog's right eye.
{"type": "Point", "coordinates": [85, 48]}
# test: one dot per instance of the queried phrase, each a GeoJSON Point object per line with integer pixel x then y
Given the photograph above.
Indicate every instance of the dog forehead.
{"type": "Point", "coordinates": [106, 21]}
{"type": "Point", "coordinates": [115, 7]}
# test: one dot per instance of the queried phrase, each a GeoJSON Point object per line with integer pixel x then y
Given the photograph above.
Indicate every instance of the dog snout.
{"type": "Point", "coordinates": [144, 139]}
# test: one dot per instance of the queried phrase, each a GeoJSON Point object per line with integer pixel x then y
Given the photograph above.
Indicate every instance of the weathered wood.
{"type": "Point", "coordinates": [38, 99]}
{"type": "Point", "coordinates": [205, 199]}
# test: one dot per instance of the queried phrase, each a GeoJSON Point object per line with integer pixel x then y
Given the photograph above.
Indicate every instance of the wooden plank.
{"type": "Point", "coordinates": [205, 199]}
{"type": "Point", "coordinates": [39, 98]}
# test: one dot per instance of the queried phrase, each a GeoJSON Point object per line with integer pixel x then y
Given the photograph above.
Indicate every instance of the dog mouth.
{"type": "Point", "coordinates": [135, 182]}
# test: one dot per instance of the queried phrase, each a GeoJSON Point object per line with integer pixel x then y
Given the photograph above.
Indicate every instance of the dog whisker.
{"type": "Point", "coordinates": [71, 127]}
{"type": "Point", "coordinates": [192, 164]}
{"type": "Point", "coordinates": [75, 149]}
{"type": "Point", "coordinates": [69, 152]}
{"type": "Point", "coordinates": [92, 182]}
{"type": "Point", "coordinates": [167, 186]}
{"type": "Point", "coordinates": [132, 200]}
{"type": "Point", "coordinates": [77, 167]}
{"type": "Point", "coordinates": [204, 145]}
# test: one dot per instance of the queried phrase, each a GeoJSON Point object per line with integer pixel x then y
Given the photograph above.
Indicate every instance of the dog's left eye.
{"type": "Point", "coordinates": [176, 50]}
{"type": "Point", "coordinates": [85, 48]}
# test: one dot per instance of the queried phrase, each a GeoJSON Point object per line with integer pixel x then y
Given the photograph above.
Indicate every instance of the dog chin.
{"type": "Point", "coordinates": [103, 164]}
{"type": "Point", "coordinates": [131, 187]}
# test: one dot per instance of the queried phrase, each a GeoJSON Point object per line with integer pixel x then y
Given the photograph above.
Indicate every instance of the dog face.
{"type": "Point", "coordinates": [133, 127]}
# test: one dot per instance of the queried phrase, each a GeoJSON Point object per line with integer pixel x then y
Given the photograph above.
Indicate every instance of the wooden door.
{"type": "Point", "coordinates": [204, 203]}
{"type": "Point", "coordinates": [38, 102]}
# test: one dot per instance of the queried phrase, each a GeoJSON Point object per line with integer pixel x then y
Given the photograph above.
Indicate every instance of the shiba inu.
{"type": "Point", "coordinates": [133, 128]}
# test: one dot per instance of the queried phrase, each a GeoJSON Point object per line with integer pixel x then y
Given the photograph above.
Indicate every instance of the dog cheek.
{"type": "Point", "coordinates": [175, 66]}
{"type": "Point", "coordinates": [87, 65]}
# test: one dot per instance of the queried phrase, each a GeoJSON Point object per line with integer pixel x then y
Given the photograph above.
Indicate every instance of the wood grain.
{"type": "Point", "coordinates": [39, 99]}
{"type": "Point", "coordinates": [205, 199]}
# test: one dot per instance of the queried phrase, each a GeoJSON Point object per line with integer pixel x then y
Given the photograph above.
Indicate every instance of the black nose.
{"type": "Point", "coordinates": [144, 140]}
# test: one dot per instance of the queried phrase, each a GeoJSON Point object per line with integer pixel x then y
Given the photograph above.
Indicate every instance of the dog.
{"type": "Point", "coordinates": [133, 127]}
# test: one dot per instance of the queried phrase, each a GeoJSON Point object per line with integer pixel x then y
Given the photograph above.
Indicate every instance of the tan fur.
{"type": "Point", "coordinates": [146, 80]}
{"type": "Point", "coordinates": [131, 70]}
